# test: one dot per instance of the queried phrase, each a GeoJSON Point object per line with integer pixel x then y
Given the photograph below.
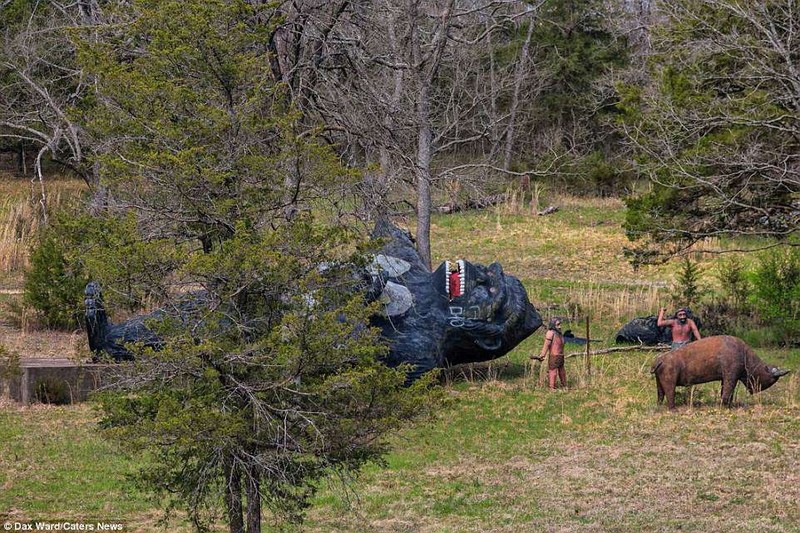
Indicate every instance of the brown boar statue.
{"type": "Point", "coordinates": [720, 358]}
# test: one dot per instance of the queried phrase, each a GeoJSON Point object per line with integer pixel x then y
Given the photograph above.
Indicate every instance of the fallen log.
{"type": "Point", "coordinates": [478, 370]}
{"type": "Point", "coordinates": [473, 203]}
{"type": "Point", "coordinates": [638, 347]}
{"type": "Point", "coordinates": [547, 210]}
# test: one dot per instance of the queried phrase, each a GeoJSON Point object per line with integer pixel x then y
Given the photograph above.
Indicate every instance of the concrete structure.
{"type": "Point", "coordinates": [50, 380]}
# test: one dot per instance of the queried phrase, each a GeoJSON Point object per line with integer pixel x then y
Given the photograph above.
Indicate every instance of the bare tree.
{"type": "Point", "coordinates": [43, 88]}
{"type": "Point", "coordinates": [519, 77]}
{"type": "Point", "coordinates": [406, 83]}
{"type": "Point", "coordinates": [719, 133]}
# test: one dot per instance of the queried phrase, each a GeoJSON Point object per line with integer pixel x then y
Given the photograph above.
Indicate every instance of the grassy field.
{"type": "Point", "coordinates": [504, 454]}
{"type": "Point", "coordinates": [509, 456]}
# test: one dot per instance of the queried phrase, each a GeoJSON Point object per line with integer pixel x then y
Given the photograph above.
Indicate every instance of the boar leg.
{"type": "Point", "coordinates": [669, 390]}
{"type": "Point", "coordinates": [728, 386]}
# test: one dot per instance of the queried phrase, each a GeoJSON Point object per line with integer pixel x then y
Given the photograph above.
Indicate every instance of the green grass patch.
{"type": "Point", "coordinates": [507, 454]}
{"type": "Point", "coordinates": [55, 465]}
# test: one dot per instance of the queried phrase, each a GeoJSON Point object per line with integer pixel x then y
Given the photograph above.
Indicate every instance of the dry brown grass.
{"type": "Point", "coordinates": [617, 303]}
{"type": "Point", "coordinates": [658, 480]}
{"type": "Point", "coordinates": [43, 343]}
{"type": "Point", "coordinates": [21, 215]}
{"type": "Point", "coordinates": [19, 222]}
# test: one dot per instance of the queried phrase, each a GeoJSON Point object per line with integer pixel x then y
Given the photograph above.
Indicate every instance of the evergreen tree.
{"type": "Point", "coordinates": [687, 290]}
{"type": "Point", "coordinates": [576, 49]}
{"type": "Point", "coordinates": [54, 284]}
{"type": "Point", "coordinates": [270, 377]}
{"type": "Point", "coordinates": [776, 293]}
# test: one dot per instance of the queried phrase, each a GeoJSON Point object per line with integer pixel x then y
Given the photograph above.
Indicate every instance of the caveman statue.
{"type": "Point", "coordinates": [645, 330]}
{"type": "Point", "coordinates": [460, 313]}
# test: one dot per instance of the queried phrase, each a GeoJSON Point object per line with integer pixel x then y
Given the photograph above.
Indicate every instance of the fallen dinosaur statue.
{"type": "Point", "coordinates": [644, 330]}
{"type": "Point", "coordinates": [719, 358]}
{"type": "Point", "coordinates": [460, 313]}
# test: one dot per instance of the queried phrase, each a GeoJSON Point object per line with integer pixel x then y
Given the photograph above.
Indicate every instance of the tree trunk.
{"type": "Point", "coordinates": [426, 68]}
{"type": "Point", "coordinates": [21, 166]}
{"type": "Point", "coordinates": [519, 76]}
{"type": "Point", "coordinates": [423, 175]}
{"type": "Point", "coordinates": [233, 496]}
{"type": "Point", "coordinates": [252, 489]}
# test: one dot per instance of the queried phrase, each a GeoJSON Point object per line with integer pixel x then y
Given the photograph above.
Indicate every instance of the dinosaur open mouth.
{"type": "Point", "coordinates": [455, 282]}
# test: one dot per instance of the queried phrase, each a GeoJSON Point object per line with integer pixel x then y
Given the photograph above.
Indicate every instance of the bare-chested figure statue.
{"type": "Point", "coordinates": [554, 348]}
{"type": "Point", "coordinates": [683, 328]}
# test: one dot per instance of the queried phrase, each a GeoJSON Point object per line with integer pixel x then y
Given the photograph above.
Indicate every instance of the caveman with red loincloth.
{"type": "Point", "coordinates": [554, 346]}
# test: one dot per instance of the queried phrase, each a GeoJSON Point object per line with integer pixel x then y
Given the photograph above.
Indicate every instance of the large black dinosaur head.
{"type": "Point", "coordinates": [430, 319]}
{"type": "Point", "coordinates": [461, 313]}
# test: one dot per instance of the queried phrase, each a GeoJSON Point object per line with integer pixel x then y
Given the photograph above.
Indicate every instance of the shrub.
{"type": "Point", "coordinates": [54, 284]}
{"type": "Point", "coordinates": [729, 312]}
{"type": "Point", "coordinates": [776, 293]}
{"type": "Point", "coordinates": [719, 318]}
{"type": "Point", "coordinates": [761, 335]}
{"type": "Point", "coordinates": [732, 276]}
{"type": "Point", "coordinates": [14, 313]}
{"type": "Point", "coordinates": [605, 177]}
{"type": "Point", "coordinates": [687, 290]}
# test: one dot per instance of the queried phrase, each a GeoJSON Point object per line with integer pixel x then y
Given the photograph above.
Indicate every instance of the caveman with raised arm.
{"type": "Point", "coordinates": [682, 327]}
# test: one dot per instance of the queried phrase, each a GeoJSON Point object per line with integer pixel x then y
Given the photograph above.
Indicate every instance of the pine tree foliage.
{"type": "Point", "coordinates": [192, 122]}
{"type": "Point", "coordinates": [687, 289]}
{"type": "Point", "coordinates": [270, 378]}
{"type": "Point", "coordinates": [776, 293]}
{"type": "Point", "coordinates": [276, 384]}
{"type": "Point", "coordinates": [54, 284]}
